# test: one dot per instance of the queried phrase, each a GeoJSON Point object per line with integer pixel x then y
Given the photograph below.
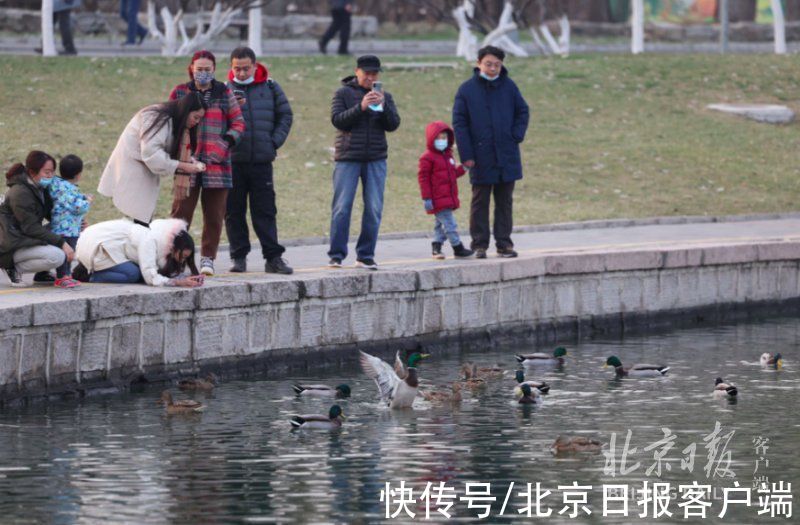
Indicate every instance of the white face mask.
{"type": "Point", "coordinates": [246, 81]}
{"type": "Point", "coordinates": [487, 77]}
{"type": "Point", "coordinates": [440, 144]}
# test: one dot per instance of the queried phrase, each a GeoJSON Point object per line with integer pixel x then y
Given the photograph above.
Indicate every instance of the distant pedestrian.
{"type": "Point", "coordinates": [341, 15]}
{"type": "Point", "coordinates": [268, 118]}
{"type": "Point", "coordinates": [219, 131]}
{"type": "Point", "coordinates": [70, 206]}
{"type": "Point", "coordinates": [129, 11]}
{"type": "Point", "coordinates": [438, 183]}
{"type": "Point", "coordinates": [62, 15]}
{"type": "Point", "coordinates": [362, 113]}
{"type": "Point", "coordinates": [26, 244]}
{"type": "Point", "coordinates": [490, 119]}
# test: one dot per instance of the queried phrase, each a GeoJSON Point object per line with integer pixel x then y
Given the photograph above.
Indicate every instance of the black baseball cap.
{"type": "Point", "coordinates": [369, 63]}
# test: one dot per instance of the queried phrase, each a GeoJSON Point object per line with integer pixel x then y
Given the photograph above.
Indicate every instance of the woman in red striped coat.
{"type": "Point", "coordinates": [217, 134]}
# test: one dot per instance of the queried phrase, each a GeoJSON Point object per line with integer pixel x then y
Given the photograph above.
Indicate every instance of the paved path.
{"type": "Point", "coordinates": [413, 253]}
{"type": "Point", "coordinates": [105, 47]}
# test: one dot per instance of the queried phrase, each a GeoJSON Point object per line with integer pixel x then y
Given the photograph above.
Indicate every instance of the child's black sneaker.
{"type": "Point", "coordinates": [436, 250]}
{"type": "Point", "coordinates": [460, 251]}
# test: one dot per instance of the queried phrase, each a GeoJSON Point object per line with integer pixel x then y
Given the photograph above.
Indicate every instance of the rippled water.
{"type": "Point", "coordinates": [119, 459]}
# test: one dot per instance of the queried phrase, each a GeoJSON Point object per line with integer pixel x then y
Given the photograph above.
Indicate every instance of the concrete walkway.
{"type": "Point", "coordinates": [111, 47]}
{"type": "Point", "coordinates": [413, 253]}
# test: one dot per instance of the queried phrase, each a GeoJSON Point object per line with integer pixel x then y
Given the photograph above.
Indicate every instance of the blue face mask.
{"type": "Point", "coordinates": [487, 77]}
{"type": "Point", "coordinates": [440, 144]}
{"type": "Point", "coordinates": [43, 183]}
{"type": "Point", "coordinates": [204, 77]}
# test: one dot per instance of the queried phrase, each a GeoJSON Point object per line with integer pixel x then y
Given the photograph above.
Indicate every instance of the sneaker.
{"type": "Point", "coordinates": [335, 262]}
{"type": "Point", "coordinates": [436, 250]}
{"type": "Point", "coordinates": [278, 265]}
{"type": "Point", "coordinates": [207, 266]}
{"type": "Point", "coordinates": [66, 282]}
{"type": "Point", "coordinates": [15, 277]}
{"type": "Point", "coordinates": [239, 266]}
{"type": "Point", "coordinates": [367, 264]}
{"type": "Point", "coordinates": [43, 277]}
{"type": "Point", "coordinates": [507, 253]}
{"type": "Point", "coordinates": [480, 253]}
{"type": "Point", "coordinates": [460, 251]}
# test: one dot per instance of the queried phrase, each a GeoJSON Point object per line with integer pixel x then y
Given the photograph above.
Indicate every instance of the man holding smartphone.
{"type": "Point", "coordinates": [362, 113]}
{"type": "Point", "coordinates": [268, 119]}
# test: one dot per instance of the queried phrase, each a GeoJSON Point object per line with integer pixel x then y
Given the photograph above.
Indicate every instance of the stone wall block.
{"type": "Point", "coordinates": [480, 273]}
{"type": "Point", "coordinates": [125, 346]}
{"type": "Point", "coordinates": [115, 306]}
{"type": "Point", "coordinates": [47, 312]}
{"type": "Point", "coordinates": [515, 269]}
{"type": "Point", "coordinates": [218, 295]}
{"type": "Point", "coordinates": [348, 285]}
{"type": "Point", "coordinates": [681, 257]}
{"type": "Point", "coordinates": [160, 300]}
{"type": "Point", "coordinates": [565, 264]}
{"type": "Point", "coordinates": [64, 352]}
{"type": "Point", "coordinates": [394, 281]}
{"type": "Point", "coordinates": [13, 317]}
{"type": "Point", "coordinates": [779, 251]}
{"type": "Point", "coordinates": [9, 359]}
{"type": "Point", "coordinates": [264, 292]}
{"type": "Point", "coordinates": [336, 328]}
{"type": "Point", "coordinates": [363, 320]}
{"type": "Point", "coordinates": [153, 342]}
{"type": "Point", "coordinates": [33, 361]}
{"type": "Point", "coordinates": [432, 314]}
{"type": "Point", "coordinates": [178, 341]}
{"type": "Point", "coordinates": [633, 260]}
{"type": "Point", "coordinates": [312, 317]}
{"type": "Point", "coordinates": [286, 334]}
{"type": "Point", "coordinates": [94, 349]}
{"type": "Point", "coordinates": [732, 254]}
{"type": "Point", "coordinates": [437, 278]}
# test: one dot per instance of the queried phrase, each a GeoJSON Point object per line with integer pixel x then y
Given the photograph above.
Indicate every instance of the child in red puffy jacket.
{"type": "Point", "coordinates": [438, 174]}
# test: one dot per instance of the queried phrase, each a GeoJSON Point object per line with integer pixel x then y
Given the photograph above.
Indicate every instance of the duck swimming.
{"type": "Point", "coordinates": [542, 359]}
{"type": "Point", "coordinates": [183, 406]}
{"type": "Point", "coordinates": [397, 385]}
{"type": "Point", "coordinates": [722, 389]}
{"type": "Point", "coordinates": [530, 396]}
{"type": "Point", "coordinates": [332, 421]}
{"type": "Point", "coordinates": [567, 444]}
{"type": "Point", "coordinates": [339, 392]}
{"type": "Point", "coordinates": [638, 370]}
{"type": "Point", "coordinates": [769, 360]}
{"type": "Point", "coordinates": [541, 386]}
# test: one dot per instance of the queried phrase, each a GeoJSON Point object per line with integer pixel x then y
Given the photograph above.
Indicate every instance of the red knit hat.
{"type": "Point", "coordinates": [201, 54]}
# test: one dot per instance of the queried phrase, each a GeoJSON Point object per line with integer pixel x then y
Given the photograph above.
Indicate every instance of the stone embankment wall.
{"type": "Point", "coordinates": [102, 337]}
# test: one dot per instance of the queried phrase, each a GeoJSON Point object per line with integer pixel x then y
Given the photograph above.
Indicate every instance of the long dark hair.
{"type": "Point", "coordinates": [178, 112]}
{"type": "Point", "coordinates": [34, 163]}
{"type": "Point", "coordinates": [183, 241]}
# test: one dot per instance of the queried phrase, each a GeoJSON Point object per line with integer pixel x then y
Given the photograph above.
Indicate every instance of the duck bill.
{"type": "Point", "coordinates": [605, 365]}
{"type": "Point", "coordinates": [424, 356]}
{"type": "Point", "coordinates": [342, 416]}
{"type": "Point", "coordinates": [778, 364]}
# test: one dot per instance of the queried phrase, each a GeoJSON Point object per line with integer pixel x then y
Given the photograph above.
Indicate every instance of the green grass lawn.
{"type": "Point", "coordinates": [617, 136]}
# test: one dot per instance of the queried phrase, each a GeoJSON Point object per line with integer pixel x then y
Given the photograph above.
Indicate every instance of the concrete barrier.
{"type": "Point", "coordinates": [100, 337]}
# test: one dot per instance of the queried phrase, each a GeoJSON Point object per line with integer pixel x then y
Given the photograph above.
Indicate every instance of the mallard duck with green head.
{"type": "Point", "coordinates": [723, 389]}
{"type": "Point", "coordinates": [339, 392]}
{"type": "Point", "coordinates": [541, 386]}
{"type": "Point", "coordinates": [332, 421]}
{"type": "Point", "coordinates": [183, 406]}
{"type": "Point", "coordinates": [541, 359]}
{"type": "Point", "coordinates": [195, 383]}
{"type": "Point", "coordinates": [397, 385]}
{"type": "Point", "coordinates": [770, 360]}
{"type": "Point", "coordinates": [529, 396]}
{"type": "Point", "coordinates": [638, 370]}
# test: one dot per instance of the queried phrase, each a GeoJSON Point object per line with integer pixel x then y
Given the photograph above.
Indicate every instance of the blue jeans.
{"type": "Point", "coordinates": [446, 228]}
{"type": "Point", "coordinates": [345, 182]}
{"type": "Point", "coordinates": [129, 11]}
{"type": "Point", "coordinates": [124, 273]}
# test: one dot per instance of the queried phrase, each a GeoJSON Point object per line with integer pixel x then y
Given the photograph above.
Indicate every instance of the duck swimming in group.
{"type": "Point", "coordinates": [770, 360]}
{"type": "Point", "coordinates": [196, 383]}
{"type": "Point", "coordinates": [529, 396]}
{"type": "Point", "coordinates": [340, 392]}
{"type": "Point", "coordinates": [723, 389]}
{"type": "Point", "coordinates": [397, 385]}
{"type": "Point", "coordinates": [638, 370]}
{"type": "Point", "coordinates": [541, 386]}
{"type": "Point", "coordinates": [542, 359]}
{"type": "Point", "coordinates": [183, 406]}
{"type": "Point", "coordinates": [471, 379]}
{"type": "Point", "coordinates": [332, 421]}
{"type": "Point", "coordinates": [442, 396]}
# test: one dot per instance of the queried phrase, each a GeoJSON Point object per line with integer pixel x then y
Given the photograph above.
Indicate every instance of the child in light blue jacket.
{"type": "Point", "coordinates": [70, 206]}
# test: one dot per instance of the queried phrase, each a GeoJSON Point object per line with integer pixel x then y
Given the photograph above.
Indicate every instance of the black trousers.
{"type": "Point", "coordinates": [503, 215]}
{"type": "Point", "coordinates": [65, 26]}
{"type": "Point", "coordinates": [340, 23]}
{"type": "Point", "coordinates": [253, 181]}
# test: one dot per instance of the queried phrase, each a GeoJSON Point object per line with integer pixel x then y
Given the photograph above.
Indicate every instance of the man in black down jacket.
{"type": "Point", "coordinates": [362, 116]}
{"type": "Point", "coordinates": [268, 116]}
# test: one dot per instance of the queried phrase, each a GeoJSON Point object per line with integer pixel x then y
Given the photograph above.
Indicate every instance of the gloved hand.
{"type": "Point", "coordinates": [428, 203]}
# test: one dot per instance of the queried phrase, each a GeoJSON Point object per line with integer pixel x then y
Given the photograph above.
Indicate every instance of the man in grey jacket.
{"type": "Point", "coordinates": [268, 116]}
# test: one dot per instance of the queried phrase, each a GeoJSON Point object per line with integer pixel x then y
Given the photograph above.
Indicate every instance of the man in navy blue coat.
{"type": "Point", "coordinates": [490, 119]}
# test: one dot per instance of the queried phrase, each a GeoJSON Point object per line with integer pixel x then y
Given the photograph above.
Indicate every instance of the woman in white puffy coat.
{"type": "Point", "coordinates": [122, 251]}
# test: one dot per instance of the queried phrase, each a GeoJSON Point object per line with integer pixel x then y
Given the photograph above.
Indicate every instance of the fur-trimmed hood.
{"type": "Point", "coordinates": [164, 232]}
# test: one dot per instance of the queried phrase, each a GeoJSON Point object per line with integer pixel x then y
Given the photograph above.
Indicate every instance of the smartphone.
{"type": "Point", "coordinates": [377, 86]}
{"type": "Point", "coordinates": [238, 94]}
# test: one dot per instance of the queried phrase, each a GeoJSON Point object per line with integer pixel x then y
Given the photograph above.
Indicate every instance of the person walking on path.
{"type": "Point", "coordinates": [490, 119]}
{"type": "Point", "coordinates": [268, 118]}
{"type": "Point", "coordinates": [156, 143]}
{"type": "Point", "coordinates": [129, 11]}
{"type": "Point", "coordinates": [219, 131]}
{"type": "Point", "coordinates": [438, 184]}
{"type": "Point", "coordinates": [362, 114]}
{"type": "Point", "coordinates": [341, 15]}
{"type": "Point", "coordinates": [62, 15]}
{"type": "Point", "coordinates": [26, 244]}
